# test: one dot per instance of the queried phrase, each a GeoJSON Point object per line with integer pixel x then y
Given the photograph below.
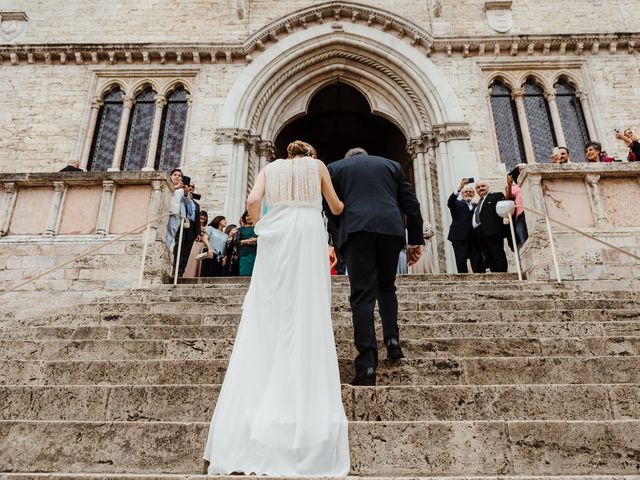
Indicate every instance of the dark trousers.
{"type": "Point", "coordinates": [188, 237]}
{"type": "Point", "coordinates": [372, 259]}
{"type": "Point", "coordinates": [468, 249]}
{"type": "Point", "coordinates": [492, 247]}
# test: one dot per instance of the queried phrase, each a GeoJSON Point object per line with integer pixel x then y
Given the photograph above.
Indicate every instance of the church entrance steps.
{"type": "Point", "coordinates": [220, 348]}
{"type": "Point", "coordinates": [99, 476]}
{"type": "Point", "coordinates": [485, 330]}
{"type": "Point", "coordinates": [377, 448]}
{"type": "Point", "coordinates": [502, 378]}
{"type": "Point", "coordinates": [429, 371]}
{"type": "Point", "coordinates": [194, 403]}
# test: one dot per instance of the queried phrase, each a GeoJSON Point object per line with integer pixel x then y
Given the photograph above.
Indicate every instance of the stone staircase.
{"type": "Point", "coordinates": [502, 379]}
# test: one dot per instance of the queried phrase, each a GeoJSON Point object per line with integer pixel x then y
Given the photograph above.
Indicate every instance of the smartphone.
{"type": "Point", "coordinates": [471, 179]}
{"type": "Point", "coordinates": [556, 151]}
{"type": "Point", "coordinates": [616, 130]}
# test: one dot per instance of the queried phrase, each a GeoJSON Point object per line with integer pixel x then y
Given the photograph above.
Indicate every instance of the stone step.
{"type": "Point", "coordinates": [195, 403]}
{"type": "Point", "coordinates": [341, 330]}
{"type": "Point", "coordinates": [129, 476]}
{"type": "Point", "coordinates": [220, 348]}
{"type": "Point", "coordinates": [426, 371]}
{"type": "Point", "coordinates": [124, 317]}
{"type": "Point", "coordinates": [377, 448]}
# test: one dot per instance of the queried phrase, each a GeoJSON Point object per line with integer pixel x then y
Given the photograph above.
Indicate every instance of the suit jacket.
{"type": "Point", "coordinates": [376, 193]}
{"type": "Point", "coordinates": [461, 217]}
{"type": "Point", "coordinates": [492, 223]}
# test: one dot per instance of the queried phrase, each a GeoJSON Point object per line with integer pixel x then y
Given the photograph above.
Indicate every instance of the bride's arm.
{"type": "Point", "coordinates": [329, 193]}
{"type": "Point", "coordinates": [254, 201]}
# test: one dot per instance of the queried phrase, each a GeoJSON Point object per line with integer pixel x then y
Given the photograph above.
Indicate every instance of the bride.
{"type": "Point", "coordinates": [279, 411]}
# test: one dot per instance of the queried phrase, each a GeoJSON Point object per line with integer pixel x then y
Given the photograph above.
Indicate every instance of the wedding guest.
{"type": "Point", "coordinates": [195, 256]}
{"type": "Point", "coordinates": [560, 155]}
{"type": "Point", "coordinates": [191, 228]}
{"type": "Point", "coordinates": [216, 242]}
{"type": "Point", "coordinates": [231, 259]}
{"type": "Point", "coordinates": [593, 153]}
{"type": "Point", "coordinates": [462, 236]}
{"type": "Point", "coordinates": [177, 207]}
{"type": "Point", "coordinates": [513, 192]}
{"type": "Point", "coordinates": [333, 260]}
{"type": "Point", "coordinates": [248, 241]}
{"type": "Point", "coordinates": [426, 263]}
{"type": "Point", "coordinates": [489, 228]}
{"type": "Point", "coordinates": [72, 166]}
{"type": "Point", "coordinates": [633, 142]}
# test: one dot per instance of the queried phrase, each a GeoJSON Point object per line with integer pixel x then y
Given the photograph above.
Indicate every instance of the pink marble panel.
{"type": "Point", "coordinates": [130, 207]}
{"type": "Point", "coordinates": [621, 197]}
{"type": "Point", "coordinates": [80, 210]}
{"type": "Point", "coordinates": [567, 200]}
{"type": "Point", "coordinates": [31, 211]}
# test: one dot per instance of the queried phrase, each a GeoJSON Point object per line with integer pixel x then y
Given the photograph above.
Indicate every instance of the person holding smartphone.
{"type": "Point", "coordinates": [560, 155]}
{"type": "Point", "coordinates": [461, 234]}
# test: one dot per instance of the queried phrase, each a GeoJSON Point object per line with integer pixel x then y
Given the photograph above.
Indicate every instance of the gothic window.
{"type": "Point", "coordinates": [106, 132]}
{"type": "Point", "coordinates": [172, 130]}
{"type": "Point", "coordinates": [139, 135]}
{"type": "Point", "coordinates": [507, 126]}
{"type": "Point", "coordinates": [572, 119]}
{"type": "Point", "coordinates": [543, 136]}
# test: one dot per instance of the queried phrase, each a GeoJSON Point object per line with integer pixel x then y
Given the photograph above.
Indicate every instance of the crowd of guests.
{"type": "Point", "coordinates": [477, 232]}
{"type": "Point", "coordinates": [207, 249]}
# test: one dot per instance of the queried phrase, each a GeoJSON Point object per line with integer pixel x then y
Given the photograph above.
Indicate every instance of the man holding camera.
{"type": "Point", "coordinates": [461, 234]}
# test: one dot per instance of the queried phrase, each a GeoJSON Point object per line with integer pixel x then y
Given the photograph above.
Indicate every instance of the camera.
{"type": "Point", "coordinates": [471, 179]}
{"type": "Point", "coordinates": [196, 196]}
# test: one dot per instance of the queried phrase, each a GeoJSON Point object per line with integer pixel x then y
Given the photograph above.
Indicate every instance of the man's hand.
{"type": "Point", "coordinates": [509, 180]}
{"type": "Point", "coordinates": [413, 254]}
{"type": "Point", "coordinates": [463, 183]}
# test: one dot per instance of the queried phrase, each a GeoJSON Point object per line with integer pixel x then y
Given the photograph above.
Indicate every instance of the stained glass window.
{"type": "Point", "coordinates": [139, 135]}
{"type": "Point", "coordinates": [507, 126]}
{"type": "Point", "coordinates": [539, 119]}
{"type": "Point", "coordinates": [172, 130]}
{"type": "Point", "coordinates": [106, 133]}
{"type": "Point", "coordinates": [572, 118]}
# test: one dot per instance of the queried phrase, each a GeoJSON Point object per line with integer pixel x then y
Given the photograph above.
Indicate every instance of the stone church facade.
{"type": "Point", "coordinates": [450, 89]}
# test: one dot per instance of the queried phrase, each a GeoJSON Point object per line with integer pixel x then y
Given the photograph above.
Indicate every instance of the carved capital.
{"type": "Point", "coordinates": [233, 136]}
{"type": "Point", "coordinates": [451, 131]}
{"type": "Point", "coordinates": [160, 101]}
{"type": "Point", "coordinates": [265, 148]}
{"type": "Point", "coordinates": [592, 178]}
{"type": "Point", "coordinates": [128, 101]}
{"type": "Point", "coordinates": [97, 103]}
{"type": "Point", "coordinates": [419, 145]}
{"type": "Point", "coordinates": [58, 187]}
{"type": "Point", "coordinates": [550, 95]}
{"type": "Point", "coordinates": [10, 188]}
{"type": "Point", "coordinates": [517, 93]}
{"type": "Point", "coordinates": [156, 185]}
{"type": "Point", "coordinates": [108, 186]}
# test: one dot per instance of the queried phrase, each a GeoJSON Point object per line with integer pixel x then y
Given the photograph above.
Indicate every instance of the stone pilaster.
{"type": "Point", "coordinates": [54, 210]}
{"type": "Point", "coordinates": [6, 210]}
{"type": "Point", "coordinates": [597, 203]}
{"type": "Point", "coordinates": [127, 104]}
{"type": "Point", "coordinates": [155, 132]}
{"type": "Point", "coordinates": [588, 116]}
{"type": "Point", "coordinates": [96, 105]}
{"type": "Point", "coordinates": [106, 204]}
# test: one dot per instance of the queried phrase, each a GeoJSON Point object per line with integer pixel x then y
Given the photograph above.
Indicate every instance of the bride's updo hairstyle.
{"type": "Point", "coordinates": [300, 148]}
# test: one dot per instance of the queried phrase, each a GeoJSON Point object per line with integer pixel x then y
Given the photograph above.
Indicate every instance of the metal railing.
{"type": "Point", "coordinates": [147, 232]}
{"type": "Point", "coordinates": [510, 206]}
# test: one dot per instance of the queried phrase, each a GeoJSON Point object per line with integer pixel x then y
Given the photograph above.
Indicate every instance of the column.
{"type": "Point", "coordinates": [518, 97]}
{"type": "Point", "coordinates": [185, 137]}
{"type": "Point", "coordinates": [155, 210]}
{"type": "Point", "coordinates": [8, 202]}
{"type": "Point", "coordinates": [599, 210]}
{"type": "Point", "coordinates": [155, 133]}
{"type": "Point", "coordinates": [127, 104]}
{"type": "Point", "coordinates": [96, 105]}
{"type": "Point", "coordinates": [104, 214]}
{"type": "Point", "coordinates": [586, 111]}
{"type": "Point", "coordinates": [555, 117]}
{"type": "Point", "coordinates": [54, 210]}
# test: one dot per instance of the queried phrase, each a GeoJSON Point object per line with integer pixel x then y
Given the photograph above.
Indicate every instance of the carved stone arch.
{"type": "Point", "coordinates": [570, 77]}
{"type": "Point", "coordinates": [173, 84]}
{"type": "Point", "coordinates": [538, 79]}
{"type": "Point", "coordinates": [507, 79]}
{"type": "Point", "coordinates": [139, 86]}
{"type": "Point", "coordinates": [277, 85]}
{"type": "Point", "coordinates": [106, 88]}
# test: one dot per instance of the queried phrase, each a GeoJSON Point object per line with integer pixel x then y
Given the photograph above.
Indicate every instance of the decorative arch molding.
{"type": "Point", "coordinates": [398, 80]}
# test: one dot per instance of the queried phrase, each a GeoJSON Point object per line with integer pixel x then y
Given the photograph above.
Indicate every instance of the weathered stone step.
{"type": "Point", "coordinates": [123, 317]}
{"type": "Point", "coordinates": [436, 371]}
{"type": "Point", "coordinates": [377, 448]}
{"type": "Point", "coordinates": [128, 476]}
{"type": "Point", "coordinates": [195, 403]}
{"type": "Point", "coordinates": [223, 305]}
{"type": "Point", "coordinates": [199, 348]}
{"type": "Point", "coordinates": [409, 330]}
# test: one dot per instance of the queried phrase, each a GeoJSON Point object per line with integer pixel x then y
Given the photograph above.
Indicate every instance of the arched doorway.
{"type": "Point", "coordinates": [339, 118]}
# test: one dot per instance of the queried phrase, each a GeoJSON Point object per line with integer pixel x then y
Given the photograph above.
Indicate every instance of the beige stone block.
{"type": "Point", "coordinates": [130, 208]}
{"type": "Point", "coordinates": [80, 210]}
{"type": "Point", "coordinates": [31, 211]}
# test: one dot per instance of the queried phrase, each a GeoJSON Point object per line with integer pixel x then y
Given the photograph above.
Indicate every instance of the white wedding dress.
{"type": "Point", "coordinates": [280, 409]}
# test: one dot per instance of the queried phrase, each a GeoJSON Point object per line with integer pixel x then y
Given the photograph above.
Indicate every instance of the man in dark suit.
{"type": "Point", "coordinates": [72, 166]}
{"type": "Point", "coordinates": [371, 233]}
{"type": "Point", "coordinates": [461, 234]}
{"type": "Point", "coordinates": [490, 228]}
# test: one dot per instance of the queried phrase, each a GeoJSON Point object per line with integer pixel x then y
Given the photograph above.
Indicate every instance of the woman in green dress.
{"type": "Point", "coordinates": [248, 244]}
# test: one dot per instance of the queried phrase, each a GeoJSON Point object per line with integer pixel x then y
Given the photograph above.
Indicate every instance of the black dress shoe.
{"type": "Point", "coordinates": [394, 351]}
{"type": "Point", "coordinates": [365, 378]}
